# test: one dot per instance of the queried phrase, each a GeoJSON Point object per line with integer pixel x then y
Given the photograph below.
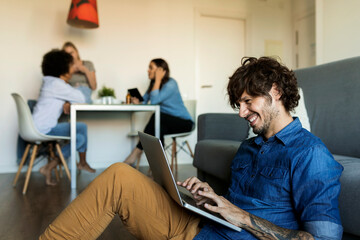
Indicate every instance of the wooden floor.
{"type": "Point", "coordinates": [26, 216]}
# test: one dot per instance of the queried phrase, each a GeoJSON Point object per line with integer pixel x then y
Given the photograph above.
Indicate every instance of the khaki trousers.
{"type": "Point", "coordinates": [144, 207]}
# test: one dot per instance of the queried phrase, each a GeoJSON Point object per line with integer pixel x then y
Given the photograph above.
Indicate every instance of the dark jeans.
{"type": "Point", "coordinates": [168, 125]}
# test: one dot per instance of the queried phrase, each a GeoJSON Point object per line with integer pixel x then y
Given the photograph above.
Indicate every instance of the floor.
{"type": "Point", "coordinates": [26, 216]}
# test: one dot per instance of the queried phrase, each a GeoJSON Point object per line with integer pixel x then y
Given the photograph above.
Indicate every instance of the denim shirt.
{"type": "Point", "coordinates": [291, 180]}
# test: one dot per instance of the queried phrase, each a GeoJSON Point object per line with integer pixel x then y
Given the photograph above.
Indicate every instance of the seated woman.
{"type": "Point", "coordinates": [83, 78]}
{"type": "Point", "coordinates": [163, 90]}
{"type": "Point", "coordinates": [55, 92]}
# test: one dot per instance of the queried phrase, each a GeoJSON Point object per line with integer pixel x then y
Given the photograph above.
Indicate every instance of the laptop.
{"type": "Point", "coordinates": [162, 174]}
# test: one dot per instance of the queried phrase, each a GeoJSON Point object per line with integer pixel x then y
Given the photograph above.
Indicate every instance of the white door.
{"type": "Point", "coordinates": [305, 41]}
{"type": "Point", "coordinates": [220, 45]}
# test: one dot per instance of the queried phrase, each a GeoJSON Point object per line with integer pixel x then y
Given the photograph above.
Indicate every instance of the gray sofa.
{"type": "Point", "coordinates": [331, 93]}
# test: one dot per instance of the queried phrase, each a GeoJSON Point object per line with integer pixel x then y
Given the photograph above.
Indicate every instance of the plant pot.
{"type": "Point", "coordinates": [107, 100]}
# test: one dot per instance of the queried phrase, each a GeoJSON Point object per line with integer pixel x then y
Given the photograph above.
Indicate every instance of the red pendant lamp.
{"type": "Point", "coordinates": [83, 14]}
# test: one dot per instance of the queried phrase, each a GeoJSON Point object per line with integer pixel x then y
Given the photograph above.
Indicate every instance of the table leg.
{"type": "Point", "coordinates": [132, 130]}
{"type": "Point", "coordinates": [157, 122]}
{"type": "Point", "coordinates": [73, 146]}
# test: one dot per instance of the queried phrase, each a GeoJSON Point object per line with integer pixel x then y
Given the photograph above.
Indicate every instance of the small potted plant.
{"type": "Point", "coordinates": [107, 95]}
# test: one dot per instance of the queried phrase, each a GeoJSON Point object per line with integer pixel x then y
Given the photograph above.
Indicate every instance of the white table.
{"type": "Point", "coordinates": [112, 108]}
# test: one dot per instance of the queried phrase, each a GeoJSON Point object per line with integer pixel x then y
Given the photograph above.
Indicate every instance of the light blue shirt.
{"type": "Point", "coordinates": [53, 94]}
{"type": "Point", "coordinates": [169, 99]}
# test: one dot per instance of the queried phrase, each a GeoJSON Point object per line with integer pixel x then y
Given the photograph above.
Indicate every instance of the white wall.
{"type": "Point", "coordinates": [271, 21]}
{"type": "Point", "coordinates": [338, 34]}
{"type": "Point", "coordinates": [131, 33]}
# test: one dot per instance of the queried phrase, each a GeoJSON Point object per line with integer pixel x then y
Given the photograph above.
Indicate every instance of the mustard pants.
{"type": "Point", "coordinates": [144, 207]}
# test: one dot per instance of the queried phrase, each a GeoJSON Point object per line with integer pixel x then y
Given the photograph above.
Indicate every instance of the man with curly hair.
{"type": "Point", "coordinates": [284, 182]}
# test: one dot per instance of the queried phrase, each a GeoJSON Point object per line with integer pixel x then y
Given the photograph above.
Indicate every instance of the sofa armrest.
{"type": "Point", "coordinates": [213, 161]}
{"type": "Point", "coordinates": [222, 126]}
{"type": "Point", "coordinates": [350, 194]}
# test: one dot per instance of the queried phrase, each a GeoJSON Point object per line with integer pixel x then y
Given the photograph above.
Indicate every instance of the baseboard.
{"type": "Point", "coordinates": [97, 165]}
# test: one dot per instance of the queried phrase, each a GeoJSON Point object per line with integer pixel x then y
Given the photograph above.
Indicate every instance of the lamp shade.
{"type": "Point", "coordinates": [83, 14]}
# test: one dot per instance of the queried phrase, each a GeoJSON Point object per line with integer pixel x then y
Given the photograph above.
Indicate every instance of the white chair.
{"type": "Point", "coordinates": [29, 133]}
{"type": "Point", "coordinates": [191, 107]}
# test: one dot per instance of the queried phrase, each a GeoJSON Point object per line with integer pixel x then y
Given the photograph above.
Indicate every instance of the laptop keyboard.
{"type": "Point", "coordinates": [189, 200]}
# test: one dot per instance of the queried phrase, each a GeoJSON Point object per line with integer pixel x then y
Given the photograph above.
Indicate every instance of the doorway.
{"type": "Point", "coordinates": [220, 45]}
{"type": "Point", "coordinates": [305, 47]}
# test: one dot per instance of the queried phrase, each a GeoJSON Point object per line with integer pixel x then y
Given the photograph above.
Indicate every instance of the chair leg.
{"type": "Point", "coordinates": [138, 164]}
{"type": "Point", "coordinates": [176, 165]}
{"type": "Point", "coordinates": [33, 156]}
{"type": "Point", "coordinates": [149, 172]}
{"type": "Point", "coordinates": [22, 163]}
{"type": "Point", "coordinates": [63, 160]}
{"type": "Point", "coordinates": [173, 154]}
{"type": "Point", "coordinates": [188, 145]}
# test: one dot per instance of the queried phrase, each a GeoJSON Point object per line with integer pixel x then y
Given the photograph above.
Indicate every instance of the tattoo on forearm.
{"type": "Point", "coordinates": [264, 229]}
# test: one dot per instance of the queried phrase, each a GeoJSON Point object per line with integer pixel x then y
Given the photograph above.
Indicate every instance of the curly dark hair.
{"type": "Point", "coordinates": [56, 63]}
{"type": "Point", "coordinates": [257, 76]}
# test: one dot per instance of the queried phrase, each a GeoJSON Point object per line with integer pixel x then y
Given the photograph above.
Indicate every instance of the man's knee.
{"type": "Point", "coordinates": [120, 169]}
{"type": "Point", "coordinates": [124, 173]}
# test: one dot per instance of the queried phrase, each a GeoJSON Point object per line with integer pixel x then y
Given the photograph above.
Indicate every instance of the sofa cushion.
{"type": "Point", "coordinates": [301, 113]}
{"type": "Point", "coordinates": [215, 156]}
{"type": "Point", "coordinates": [349, 199]}
{"type": "Point", "coordinates": [331, 92]}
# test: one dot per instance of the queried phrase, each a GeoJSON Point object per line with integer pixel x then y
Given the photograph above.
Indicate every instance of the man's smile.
{"type": "Point", "coordinates": [252, 119]}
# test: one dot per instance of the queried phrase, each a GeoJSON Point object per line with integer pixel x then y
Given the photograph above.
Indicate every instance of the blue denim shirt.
{"type": "Point", "coordinates": [291, 180]}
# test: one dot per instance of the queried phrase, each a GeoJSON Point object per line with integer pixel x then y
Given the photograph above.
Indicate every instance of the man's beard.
{"type": "Point", "coordinates": [269, 114]}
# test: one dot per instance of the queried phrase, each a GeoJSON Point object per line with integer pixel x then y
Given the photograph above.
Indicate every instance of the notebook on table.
{"type": "Point", "coordinates": [134, 92]}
